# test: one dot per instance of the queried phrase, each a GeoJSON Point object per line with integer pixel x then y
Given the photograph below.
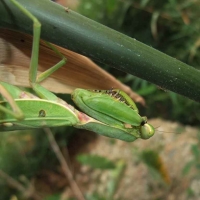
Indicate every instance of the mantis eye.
{"type": "Point", "coordinates": [147, 131]}
{"type": "Point", "coordinates": [144, 121]}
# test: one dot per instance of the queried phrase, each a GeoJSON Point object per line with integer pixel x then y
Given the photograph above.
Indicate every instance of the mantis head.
{"type": "Point", "coordinates": [147, 131]}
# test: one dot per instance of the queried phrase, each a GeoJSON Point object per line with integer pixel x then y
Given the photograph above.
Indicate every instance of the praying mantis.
{"type": "Point", "coordinates": [111, 113]}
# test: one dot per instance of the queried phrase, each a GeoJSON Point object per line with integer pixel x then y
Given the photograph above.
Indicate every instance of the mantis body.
{"type": "Point", "coordinates": [111, 113]}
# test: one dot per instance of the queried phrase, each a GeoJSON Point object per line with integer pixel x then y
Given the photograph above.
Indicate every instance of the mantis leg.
{"type": "Point", "coordinates": [34, 80]}
{"type": "Point", "coordinates": [16, 111]}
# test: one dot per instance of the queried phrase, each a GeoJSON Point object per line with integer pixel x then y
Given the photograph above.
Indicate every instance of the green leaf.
{"type": "Point", "coordinates": [103, 44]}
{"type": "Point", "coordinates": [196, 151]}
{"type": "Point", "coordinates": [116, 177]}
{"type": "Point", "coordinates": [53, 197]}
{"type": "Point", "coordinates": [95, 161]}
{"type": "Point", "coordinates": [187, 167]}
{"type": "Point", "coordinates": [95, 196]}
{"type": "Point", "coordinates": [147, 90]}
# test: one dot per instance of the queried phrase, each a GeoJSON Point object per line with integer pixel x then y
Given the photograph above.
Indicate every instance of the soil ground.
{"type": "Point", "coordinates": [139, 182]}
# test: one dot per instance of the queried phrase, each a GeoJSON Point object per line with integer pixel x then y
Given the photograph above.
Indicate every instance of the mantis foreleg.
{"type": "Point", "coordinates": [34, 80]}
{"type": "Point", "coordinates": [16, 111]}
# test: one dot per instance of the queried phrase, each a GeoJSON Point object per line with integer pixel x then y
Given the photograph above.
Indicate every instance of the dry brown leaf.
{"type": "Point", "coordinates": [79, 72]}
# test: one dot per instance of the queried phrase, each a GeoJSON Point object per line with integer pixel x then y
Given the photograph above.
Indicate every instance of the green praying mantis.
{"type": "Point", "coordinates": [111, 113]}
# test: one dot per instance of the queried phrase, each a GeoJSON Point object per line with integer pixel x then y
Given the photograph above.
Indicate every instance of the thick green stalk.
{"type": "Point", "coordinates": [80, 34]}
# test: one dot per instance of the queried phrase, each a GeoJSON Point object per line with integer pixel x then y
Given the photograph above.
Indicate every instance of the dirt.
{"type": "Point", "coordinates": [173, 146]}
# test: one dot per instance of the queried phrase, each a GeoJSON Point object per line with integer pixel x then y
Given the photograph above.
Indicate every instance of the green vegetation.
{"type": "Point", "coordinates": [169, 26]}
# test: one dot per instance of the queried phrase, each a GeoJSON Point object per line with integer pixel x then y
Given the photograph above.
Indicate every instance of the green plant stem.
{"type": "Point", "coordinates": [82, 35]}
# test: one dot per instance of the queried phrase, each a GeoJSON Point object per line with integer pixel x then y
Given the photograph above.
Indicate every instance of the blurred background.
{"type": "Point", "coordinates": [166, 166]}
